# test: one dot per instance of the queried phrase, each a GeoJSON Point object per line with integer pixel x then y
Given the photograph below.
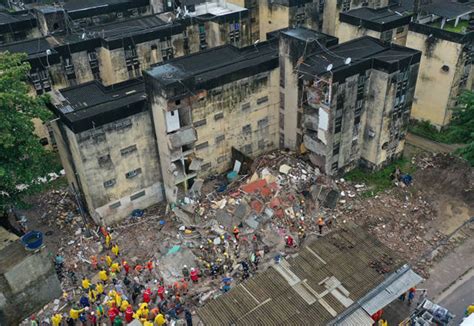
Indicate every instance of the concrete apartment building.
{"type": "Point", "coordinates": [202, 109]}
{"type": "Point", "coordinates": [444, 32]}
{"type": "Point", "coordinates": [267, 16]}
{"type": "Point", "coordinates": [118, 51]}
{"type": "Point", "coordinates": [441, 30]}
{"type": "Point", "coordinates": [332, 9]}
{"type": "Point", "coordinates": [389, 24]}
{"type": "Point", "coordinates": [105, 140]}
{"type": "Point", "coordinates": [352, 102]}
{"type": "Point", "coordinates": [139, 142]}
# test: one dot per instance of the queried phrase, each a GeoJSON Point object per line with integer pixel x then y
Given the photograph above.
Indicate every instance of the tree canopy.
{"type": "Point", "coordinates": [22, 158]}
{"type": "Point", "coordinates": [461, 128]}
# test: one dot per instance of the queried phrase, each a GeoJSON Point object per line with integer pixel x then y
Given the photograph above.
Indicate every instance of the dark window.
{"type": "Point", "coordinates": [357, 120]}
{"type": "Point", "coordinates": [202, 146]}
{"type": "Point", "coordinates": [133, 173]}
{"type": "Point", "coordinates": [245, 106]}
{"type": "Point", "coordinates": [137, 195]}
{"type": "Point", "coordinates": [261, 144]}
{"type": "Point", "coordinates": [109, 183]}
{"type": "Point", "coordinates": [400, 30]}
{"type": "Point", "coordinates": [123, 124]}
{"type": "Point", "coordinates": [128, 150]}
{"type": "Point", "coordinates": [104, 160]}
{"type": "Point", "coordinates": [282, 140]}
{"type": "Point", "coordinates": [335, 149]}
{"type": "Point", "coordinates": [219, 116]}
{"type": "Point", "coordinates": [247, 129]}
{"type": "Point", "coordinates": [282, 101]}
{"type": "Point", "coordinates": [334, 166]}
{"type": "Point", "coordinates": [346, 5]}
{"type": "Point", "coordinates": [282, 121]}
{"type": "Point", "coordinates": [220, 138]}
{"type": "Point", "coordinates": [115, 205]}
{"type": "Point", "coordinates": [338, 125]}
{"type": "Point", "coordinates": [262, 100]}
{"type": "Point", "coordinates": [282, 72]}
{"type": "Point", "coordinates": [200, 123]}
{"type": "Point", "coordinates": [262, 123]}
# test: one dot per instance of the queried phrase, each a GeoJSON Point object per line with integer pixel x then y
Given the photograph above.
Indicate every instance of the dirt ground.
{"type": "Point", "coordinates": [414, 221]}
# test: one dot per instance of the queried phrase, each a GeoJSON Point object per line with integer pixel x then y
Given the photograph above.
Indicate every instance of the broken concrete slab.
{"type": "Point", "coordinates": [196, 164]}
{"type": "Point", "coordinates": [182, 216]}
{"type": "Point", "coordinates": [182, 137]}
{"type": "Point", "coordinates": [285, 169]}
{"type": "Point", "coordinates": [171, 264]}
{"type": "Point", "coordinates": [252, 222]}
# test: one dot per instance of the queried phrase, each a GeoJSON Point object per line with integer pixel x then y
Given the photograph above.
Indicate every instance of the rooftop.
{"type": "Point", "coordinates": [92, 104]}
{"type": "Point", "coordinates": [125, 28]}
{"type": "Point", "coordinates": [75, 5]}
{"type": "Point", "coordinates": [214, 9]}
{"type": "Point", "coordinates": [448, 8]}
{"type": "Point", "coordinates": [377, 19]}
{"type": "Point", "coordinates": [217, 65]}
{"type": "Point", "coordinates": [305, 34]}
{"type": "Point", "coordinates": [347, 271]}
{"type": "Point", "coordinates": [366, 51]}
{"type": "Point", "coordinates": [34, 48]}
{"type": "Point", "coordinates": [8, 18]}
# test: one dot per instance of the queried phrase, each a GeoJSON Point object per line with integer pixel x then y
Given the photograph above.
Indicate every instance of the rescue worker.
{"type": "Point", "coordinates": [115, 250]}
{"type": "Point", "coordinates": [103, 276]}
{"type": "Point", "coordinates": [320, 225]}
{"type": "Point", "coordinates": [194, 275]}
{"type": "Point", "coordinates": [86, 283]}
{"type": "Point", "coordinates": [129, 314]}
{"type": "Point", "coordinates": [147, 295]}
{"type": "Point", "coordinates": [185, 272]}
{"type": "Point", "coordinates": [56, 320]}
{"type": "Point", "coordinates": [160, 319]}
{"type": "Point", "coordinates": [290, 243]}
{"type": "Point", "coordinates": [236, 232]}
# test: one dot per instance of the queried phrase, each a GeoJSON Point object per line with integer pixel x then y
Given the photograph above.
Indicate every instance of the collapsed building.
{"type": "Point", "coordinates": [132, 144]}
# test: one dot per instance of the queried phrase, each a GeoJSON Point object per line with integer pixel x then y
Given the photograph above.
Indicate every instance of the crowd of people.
{"type": "Point", "coordinates": [121, 293]}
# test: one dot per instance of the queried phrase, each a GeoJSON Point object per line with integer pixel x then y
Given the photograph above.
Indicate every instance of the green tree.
{"type": "Point", "coordinates": [461, 128]}
{"type": "Point", "coordinates": [22, 158]}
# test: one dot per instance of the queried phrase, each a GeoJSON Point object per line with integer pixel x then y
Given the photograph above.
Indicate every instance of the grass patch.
{"type": "Point", "coordinates": [379, 181]}
{"type": "Point", "coordinates": [449, 26]}
{"type": "Point", "coordinates": [426, 130]}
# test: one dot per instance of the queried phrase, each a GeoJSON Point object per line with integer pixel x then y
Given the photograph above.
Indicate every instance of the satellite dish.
{"type": "Point", "coordinates": [348, 61]}
{"type": "Point", "coordinates": [48, 52]}
{"type": "Point", "coordinates": [83, 36]}
{"type": "Point", "coordinates": [329, 67]}
{"type": "Point", "coordinates": [256, 42]}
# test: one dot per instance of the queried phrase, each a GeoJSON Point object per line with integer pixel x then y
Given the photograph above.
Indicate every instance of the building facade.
{"type": "Point", "coordinates": [135, 143]}
{"type": "Point", "coordinates": [353, 100]}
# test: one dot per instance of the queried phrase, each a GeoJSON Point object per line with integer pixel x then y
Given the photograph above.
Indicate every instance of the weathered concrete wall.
{"type": "Point", "coordinates": [289, 96]}
{"type": "Point", "coordinates": [27, 282]}
{"type": "Point", "coordinates": [271, 18]}
{"type": "Point", "coordinates": [346, 32]}
{"type": "Point", "coordinates": [333, 8]}
{"type": "Point", "coordinates": [433, 93]}
{"type": "Point", "coordinates": [245, 113]}
{"type": "Point", "coordinates": [105, 155]}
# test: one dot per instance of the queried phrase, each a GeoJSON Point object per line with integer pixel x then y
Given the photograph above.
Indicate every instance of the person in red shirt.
{"type": "Point", "coordinates": [147, 296]}
{"type": "Point", "coordinates": [194, 275]}
{"type": "Point", "coordinates": [92, 319]}
{"type": "Point", "coordinates": [149, 266]}
{"type": "Point", "coordinates": [126, 266]}
{"type": "Point", "coordinates": [113, 312]}
{"type": "Point", "coordinates": [129, 314]}
{"type": "Point", "coordinates": [161, 292]}
{"type": "Point", "coordinates": [289, 241]}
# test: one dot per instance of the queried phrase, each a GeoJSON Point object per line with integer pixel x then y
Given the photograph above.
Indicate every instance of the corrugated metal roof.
{"type": "Point", "coordinates": [309, 288]}
{"type": "Point", "coordinates": [358, 317]}
{"type": "Point", "coordinates": [390, 289]}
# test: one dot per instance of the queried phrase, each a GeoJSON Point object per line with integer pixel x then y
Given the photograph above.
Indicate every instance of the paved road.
{"type": "Point", "coordinates": [429, 145]}
{"type": "Point", "coordinates": [461, 295]}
